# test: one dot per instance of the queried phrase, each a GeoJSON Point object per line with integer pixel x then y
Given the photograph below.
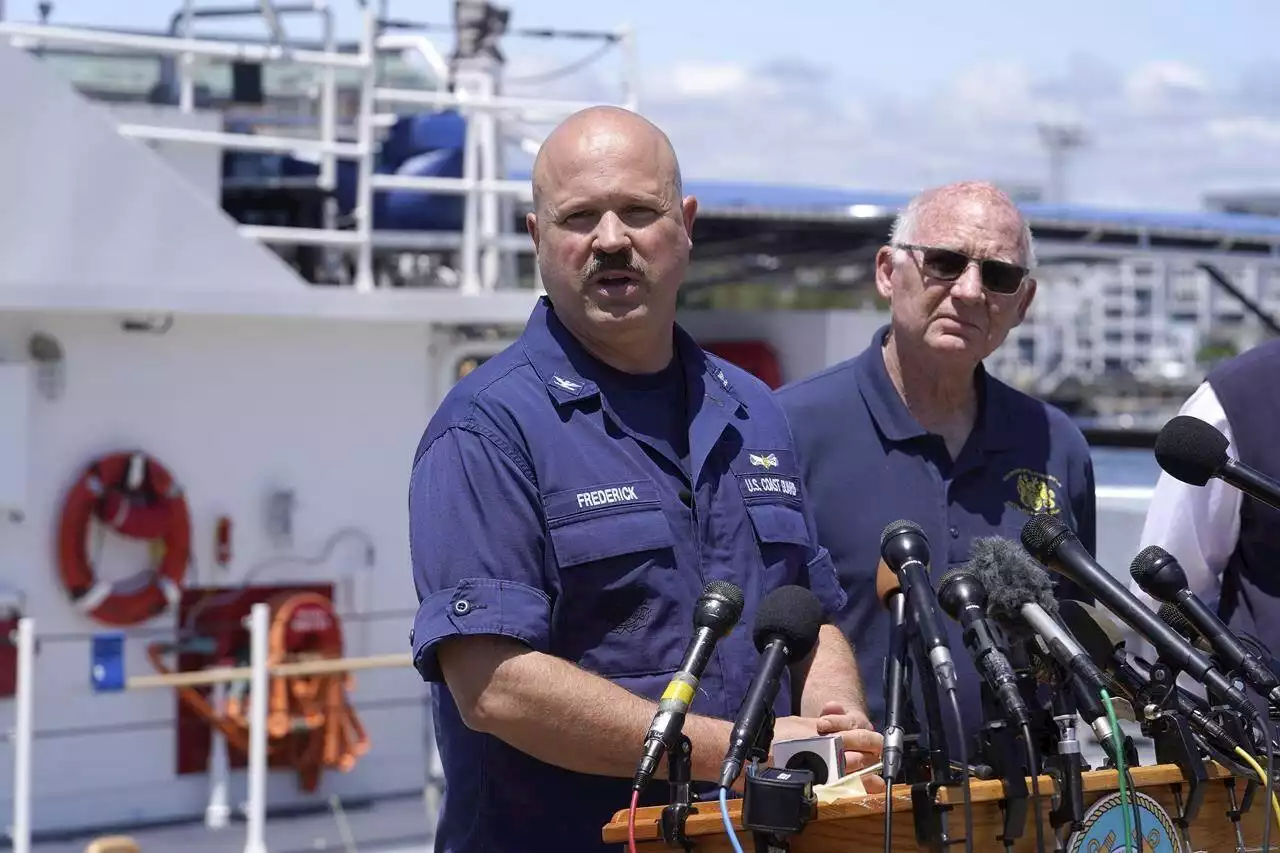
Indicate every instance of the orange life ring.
{"type": "Point", "coordinates": [137, 497]}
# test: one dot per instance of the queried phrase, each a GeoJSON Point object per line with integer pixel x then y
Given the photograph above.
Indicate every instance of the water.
{"type": "Point", "coordinates": [1125, 467]}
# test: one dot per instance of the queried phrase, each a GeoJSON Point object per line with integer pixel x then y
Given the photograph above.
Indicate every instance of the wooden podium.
{"type": "Point", "coordinates": [856, 824]}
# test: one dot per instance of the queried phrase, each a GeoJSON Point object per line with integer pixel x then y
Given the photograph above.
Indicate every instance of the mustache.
{"type": "Point", "coordinates": [617, 262]}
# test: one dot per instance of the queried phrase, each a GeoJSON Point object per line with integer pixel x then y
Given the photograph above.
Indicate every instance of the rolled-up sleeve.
{"type": "Point", "coordinates": [476, 542]}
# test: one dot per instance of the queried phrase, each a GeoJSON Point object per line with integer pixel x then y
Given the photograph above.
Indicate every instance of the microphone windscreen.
{"type": "Point", "coordinates": [1011, 578]}
{"type": "Point", "coordinates": [1041, 534]}
{"type": "Point", "coordinates": [792, 613]}
{"type": "Point", "coordinates": [1190, 450]}
{"type": "Point", "coordinates": [1172, 616]}
{"type": "Point", "coordinates": [729, 592]}
{"type": "Point", "coordinates": [897, 528]}
{"type": "Point", "coordinates": [1148, 561]}
{"type": "Point", "coordinates": [887, 582]}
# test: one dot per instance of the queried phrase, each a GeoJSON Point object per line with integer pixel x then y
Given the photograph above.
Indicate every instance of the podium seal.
{"type": "Point", "coordinates": [1102, 830]}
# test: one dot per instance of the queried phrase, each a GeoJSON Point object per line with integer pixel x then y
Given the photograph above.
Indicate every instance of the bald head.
{"type": "Point", "coordinates": [931, 211]}
{"type": "Point", "coordinates": [613, 233]}
{"type": "Point", "coordinates": [603, 132]}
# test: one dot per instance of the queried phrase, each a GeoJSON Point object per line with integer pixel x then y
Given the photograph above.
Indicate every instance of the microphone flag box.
{"type": "Point", "coordinates": [823, 756]}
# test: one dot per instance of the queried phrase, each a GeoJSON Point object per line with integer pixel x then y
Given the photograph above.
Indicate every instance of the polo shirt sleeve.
{"type": "Point", "coordinates": [476, 543]}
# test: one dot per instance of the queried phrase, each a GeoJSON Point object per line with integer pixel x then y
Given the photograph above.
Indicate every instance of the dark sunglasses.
{"type": "Point", "coordinates": [948, 265]}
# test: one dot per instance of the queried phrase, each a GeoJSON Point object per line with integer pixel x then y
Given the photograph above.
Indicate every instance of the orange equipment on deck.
{"type": "Point", "coordinates": [311, 725]}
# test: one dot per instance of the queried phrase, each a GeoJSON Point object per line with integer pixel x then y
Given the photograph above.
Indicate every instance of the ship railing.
{"type": "Point", "coordinates": [481, 241]}
{"type": "Point", "coordinates": [257, 675]}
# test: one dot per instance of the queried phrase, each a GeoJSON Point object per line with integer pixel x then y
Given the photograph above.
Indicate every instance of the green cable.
{"type": "Point", "coordinates": [1124, 788]}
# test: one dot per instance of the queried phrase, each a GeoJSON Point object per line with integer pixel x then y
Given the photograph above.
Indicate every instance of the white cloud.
{"type": "Point", "coordinates": [704, 80]}
{"type": "Point", "coordinates": [1159, 83]}
{"type": "Point", "coordinates": [1159, 135]}
{"type": "Point", "coordinates": [1246, 129]}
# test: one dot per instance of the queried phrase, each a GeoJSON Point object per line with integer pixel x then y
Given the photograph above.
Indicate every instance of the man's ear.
{"type": "Point", "coordinates": [531, 225]}
{"type": "Point", "coordinates": [884, 272]}
{"type": "Point", "coordinates": [689, 212]}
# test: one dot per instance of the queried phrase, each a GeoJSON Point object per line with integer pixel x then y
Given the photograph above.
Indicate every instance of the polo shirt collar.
{"type": "Point", "coordinates": [571, 373]}
{"type": "Point", "coordinates": [894, 419]}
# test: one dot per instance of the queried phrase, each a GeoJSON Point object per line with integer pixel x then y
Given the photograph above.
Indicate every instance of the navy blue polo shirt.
{"type": "Point", "coordinates": [866, 462]}
{"type": "Point", "coordinates": [537, 512]}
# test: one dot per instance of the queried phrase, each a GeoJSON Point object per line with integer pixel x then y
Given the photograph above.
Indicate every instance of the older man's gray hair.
{"type": "Point", "coordinates": [907, 223]}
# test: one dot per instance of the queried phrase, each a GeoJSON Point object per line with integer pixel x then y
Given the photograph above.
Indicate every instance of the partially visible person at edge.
{"type": "Point", "coordinates": [570, 500]}
{"type": "Point", "coordinates": [915, 427]}
{"type": "Point", "coordinates": [1227, 542]}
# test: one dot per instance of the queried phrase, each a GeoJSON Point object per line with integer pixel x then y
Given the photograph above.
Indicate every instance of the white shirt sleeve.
{"type": "Point", "coordinates": [1198, 525]}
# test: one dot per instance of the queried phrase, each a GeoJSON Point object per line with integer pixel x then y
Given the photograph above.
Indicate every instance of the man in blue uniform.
{"type": "Point", "coordinates": [570, 500]}
{"type": "Point", "coordinates": [915, 428]}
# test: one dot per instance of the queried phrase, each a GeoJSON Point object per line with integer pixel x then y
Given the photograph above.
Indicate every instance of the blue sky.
{"type": "Point", "coordinates": [1177, 98]}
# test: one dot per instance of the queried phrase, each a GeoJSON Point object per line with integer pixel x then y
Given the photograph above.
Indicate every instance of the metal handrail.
{"type": "Point", "coordinates": [480, 239]}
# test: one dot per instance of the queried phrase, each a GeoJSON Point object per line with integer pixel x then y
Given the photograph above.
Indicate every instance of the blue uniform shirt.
{"type": "Point", "coordinates": [541, 511]}
{"type": "Point", "coordinates": [866, 462]}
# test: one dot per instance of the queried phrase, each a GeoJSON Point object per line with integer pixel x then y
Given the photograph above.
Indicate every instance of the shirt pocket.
{"type": "Point", "coordinates": [783, 539]}
{"type": "Point", "coordinates": [620, 610]}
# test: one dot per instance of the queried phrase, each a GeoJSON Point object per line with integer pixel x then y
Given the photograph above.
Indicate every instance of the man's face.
{"type": "Point", "coordinates": [959, 317]}
{"type": "Point", "coordinates": [612, 235]}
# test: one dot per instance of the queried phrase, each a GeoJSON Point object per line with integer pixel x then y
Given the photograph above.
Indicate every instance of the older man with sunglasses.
{"type": "Point", "coordinates": [915, 428]}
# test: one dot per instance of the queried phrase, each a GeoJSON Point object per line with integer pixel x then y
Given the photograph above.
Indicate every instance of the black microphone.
{"type": "Point", "coordinates": [1053, 544]}
{"type": "Point", "coordinates": [1021, 593]}
{"type": "Point", "coordinates": [1171, 616]}
{"type": "Point", "coordinates": [1162, 577]}
{"type": "Point", "coordinates": [718, 609]}
{"type": "Point", "coordinates": [905, 551]}
{"type": "Point", "coordinates": [964, 599]}
{"type": "Point", "coordinates": [1105, 644]}
{"type": "Point", "coordinates": [786, 630]}
{"type": "Point", "coordinates": [1190, 450]}
{"type": "Point", "coordinates": [889, 591]}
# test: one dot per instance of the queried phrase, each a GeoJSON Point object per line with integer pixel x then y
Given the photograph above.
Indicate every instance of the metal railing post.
{"type": "Point", "coordinates": [259, 629]}
{"type": "Point", "coordinates": [364, 182]}
{"type": "Point", "coordinates": [22, 734]}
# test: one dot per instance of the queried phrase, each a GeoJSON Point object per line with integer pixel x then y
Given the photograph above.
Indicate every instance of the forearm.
{"type": "Point", "coordinates": [830, 675]}
{"type": "Point", "coordinates": [552, 710]}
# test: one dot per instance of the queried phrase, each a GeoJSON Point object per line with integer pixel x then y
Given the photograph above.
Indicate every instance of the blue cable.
{"type": "Point", "coordinates": [728, 824]}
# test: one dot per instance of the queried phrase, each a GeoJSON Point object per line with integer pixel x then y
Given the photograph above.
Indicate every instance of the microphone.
{"type": "Point", "coordinates": [905, 550]}
{"type": "Point", "coordinates": [717, 610]}
{"type": "Point", "coordinates": [1104, 642]}
{"type": "Point", "coordinates": [786, 630]}
{"type": "Point", "coordinates": [1162, 577]}
{"type": "Point", "coordinates": [964, 599]}
{"type": "Point", "coordinates": [1171, 616]}
{"type": "Point", "coordinates": [889, 591]}
{"type": "Point", "coordinates": [1190, 450]}
{"type": "Point", "coordinates": [1052, 543]}
{"type": "Point", "coordinates": [1022, 592]}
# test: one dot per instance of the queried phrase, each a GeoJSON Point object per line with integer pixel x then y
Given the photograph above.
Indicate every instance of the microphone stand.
{"type": "Point", "coordinates": [1067, 765]}
{"type": "Point", "coordinates": [680, 773]}
{"type": "Point", "coordinates": [998, 749]}
{"type": "Point", "coordinates": [926, 810]}
{"type": "Point", "coordinates": [1175, 743]}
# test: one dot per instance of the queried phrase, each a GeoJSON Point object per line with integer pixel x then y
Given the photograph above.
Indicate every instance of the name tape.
{"type": "Point", "coordinates": [604, 497]}
{"type": "Point", "coordinates": [756, 484]}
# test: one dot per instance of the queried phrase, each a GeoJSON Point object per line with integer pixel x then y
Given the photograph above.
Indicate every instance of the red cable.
{"type": "Point", "coordinates": [631, 822]}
